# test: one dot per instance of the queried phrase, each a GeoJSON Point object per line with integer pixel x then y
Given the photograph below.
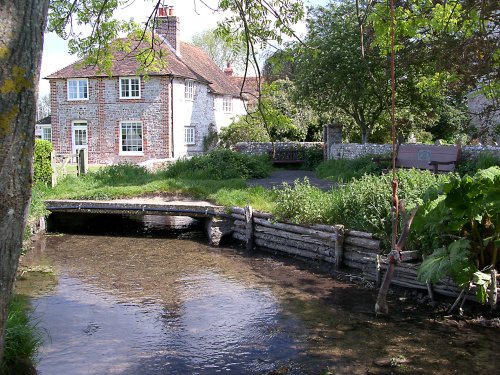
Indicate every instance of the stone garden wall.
{"type": "Point", "coordinates": [259, 148]}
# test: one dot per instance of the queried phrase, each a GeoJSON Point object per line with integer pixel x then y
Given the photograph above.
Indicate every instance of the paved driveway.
{"type": "Point", "coordinates": [278, 177]}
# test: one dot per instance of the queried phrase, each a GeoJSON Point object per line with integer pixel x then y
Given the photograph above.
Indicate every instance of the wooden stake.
{"type": "Point", "coordinates": [493, 289]}
{"type": "Point", "coordinates": [249, 228]}
{"type": "Point", "coordinates": [339, 245]}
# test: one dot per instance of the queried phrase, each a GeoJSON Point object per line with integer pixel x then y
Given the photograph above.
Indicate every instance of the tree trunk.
{"type": "Point", "coordinates": [365, 134]}
{"type": "Point", "coordinates": [22, 24]}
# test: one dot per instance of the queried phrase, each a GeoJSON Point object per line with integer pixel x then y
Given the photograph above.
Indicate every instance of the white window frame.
{"type": "Point", "coordinates": [43, 128]}
{"type": "Point", "coordinates": [189, 89]}
{"type": "Point", "coordinates": [128, 81]}
{"type": "Point", "coordinates": [79, 82]}
{"type": "Point", "coordinates": [131, 153]}
{"type": "Point", "coordinates": [227, 104]}
{"type": "Point", "coordinates": [189, 135]}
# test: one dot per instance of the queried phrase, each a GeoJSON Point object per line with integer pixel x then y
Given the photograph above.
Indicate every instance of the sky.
{"type": "Point", "coordinates": [192, 21]}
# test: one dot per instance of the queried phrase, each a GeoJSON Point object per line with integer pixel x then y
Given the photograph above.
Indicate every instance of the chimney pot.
{"type": "Point", "coordinates": [228, 70]}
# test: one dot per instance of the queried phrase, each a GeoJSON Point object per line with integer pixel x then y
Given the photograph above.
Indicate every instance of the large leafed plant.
{"type": "Point", "coordinates": [462, 226]}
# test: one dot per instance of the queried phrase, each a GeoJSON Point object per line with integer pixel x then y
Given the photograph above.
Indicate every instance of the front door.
{"type": "Point", "coordinates": [80, 136]}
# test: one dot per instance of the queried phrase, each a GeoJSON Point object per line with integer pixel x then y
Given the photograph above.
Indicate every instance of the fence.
{"type": "Point", "coordinates": [60, 163]}
{"type": "Point", "coordinates": [335, 245]}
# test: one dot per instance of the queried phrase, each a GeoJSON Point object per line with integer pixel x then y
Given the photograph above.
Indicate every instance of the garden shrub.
{"type": "Point", "coordinates": [42, 168]}
{"type": "Point", "coordinates": [344, 170]}
{"type": "Point", "coordinates": [220, 164]}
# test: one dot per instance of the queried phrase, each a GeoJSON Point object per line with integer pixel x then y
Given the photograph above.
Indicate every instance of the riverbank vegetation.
{"type": "Point", "coordinates": [22, 338]}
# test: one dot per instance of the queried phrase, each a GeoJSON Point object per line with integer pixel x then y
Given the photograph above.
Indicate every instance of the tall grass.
{"type": "Point", "coordinates": [22, 337]}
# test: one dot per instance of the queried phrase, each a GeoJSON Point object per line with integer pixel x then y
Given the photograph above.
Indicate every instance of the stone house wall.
{"type": "Point", "coordinates": [104, 110]}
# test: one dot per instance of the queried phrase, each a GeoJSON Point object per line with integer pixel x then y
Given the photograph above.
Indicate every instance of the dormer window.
{"type": "Point", "coordinates": [189, 89]}
{"type": "Point", "coordinates": [227, 104]}
{"type": "Point", "coordinates": [78, 89]}
{"type": "Point", "coordinates": [130, 88]}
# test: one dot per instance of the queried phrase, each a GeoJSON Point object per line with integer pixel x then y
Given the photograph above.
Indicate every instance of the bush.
{"type": "Point", "coordinates": [221, 165]}
{"type": "Point", "coordinates": [22, 338]}
{"type": "Point", "coordinates": [42, 168]}
{"type": "Point", "coordinates": [364, 204]}
{"type": "Point", "coordinates": [344, 170]}
{"type": "Point", "coordinates": [313, 157]}
{"type": "Point", "coordinates": [301, 203]}
{"type": "Point", "coordinates": [245, 130]}
{"type": "Point", "coordinates": [483, 161]}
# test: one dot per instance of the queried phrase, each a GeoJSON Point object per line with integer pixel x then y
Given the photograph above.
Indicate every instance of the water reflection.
{"type": "Point", "coordinates": [136, 305]}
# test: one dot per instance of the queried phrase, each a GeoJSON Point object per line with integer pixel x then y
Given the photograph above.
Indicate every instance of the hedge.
{"type": "Point", "coordinates": [42, 169]}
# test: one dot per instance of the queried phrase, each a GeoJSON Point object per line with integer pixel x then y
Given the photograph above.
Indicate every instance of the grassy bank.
{"type": "Point", "coordinates": [22, 338]}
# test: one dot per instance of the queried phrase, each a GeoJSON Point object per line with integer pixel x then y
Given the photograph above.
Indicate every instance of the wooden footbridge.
{"type": "Point", "coordinates": [217, 222]}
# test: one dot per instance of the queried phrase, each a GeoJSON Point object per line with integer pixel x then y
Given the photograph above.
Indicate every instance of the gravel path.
{"type": "Point", "coordinates": [289, 176]}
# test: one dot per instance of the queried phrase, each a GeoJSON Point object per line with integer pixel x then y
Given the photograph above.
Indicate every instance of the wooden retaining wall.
{"type": "Point", "coordinates": [333, 244]}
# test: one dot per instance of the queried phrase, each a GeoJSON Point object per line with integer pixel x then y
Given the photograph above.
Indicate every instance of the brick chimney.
{"type": "Point", "coordinates": [168, 27]}
{"type": "Point", "coordinates": [228, 70]}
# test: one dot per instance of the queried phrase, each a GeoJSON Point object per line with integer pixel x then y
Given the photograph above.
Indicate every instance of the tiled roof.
{"type": "Point", "coordinates": [44, 121]}
{"type": "Point", "coordinates": [193, 63]}
{"type": "Point", "coordinates": [248, 87]}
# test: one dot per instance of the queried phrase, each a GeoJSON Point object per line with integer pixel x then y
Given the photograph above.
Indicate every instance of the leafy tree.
{"type": "Point", "coordinates": [23, 23]}
{"type": "Point", "coordinates": [453, 44]}
{"type": "Point", "coordinates": [222, 50]}
{"type": "Point", "coordinates": [335, 76]}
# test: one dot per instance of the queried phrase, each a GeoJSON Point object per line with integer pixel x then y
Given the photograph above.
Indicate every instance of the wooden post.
{"type": "Point", "coordinates": [249, 233]}
{"type": "Point", "coordinates": [83, 161]}
{"type": "Point", "coordinates": [53, 166]}
{"type": "Point", "coordinates": [339, 245]}
{"type": "Point", "coordinates": [493, 289]}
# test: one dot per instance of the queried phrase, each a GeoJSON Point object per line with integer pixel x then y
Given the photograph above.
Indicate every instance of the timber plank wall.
{"type": "Point", "coordinates": [332, 244]}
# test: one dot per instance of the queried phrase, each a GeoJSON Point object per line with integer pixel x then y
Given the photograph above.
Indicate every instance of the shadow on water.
{"type": "Point", "coordinates": [131, 304]}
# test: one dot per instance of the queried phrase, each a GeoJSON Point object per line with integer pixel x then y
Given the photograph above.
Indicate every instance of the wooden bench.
{"type": "Point", "coordinates": [296, 156]}
{"type": "Point", "coordinates": [431, 157]}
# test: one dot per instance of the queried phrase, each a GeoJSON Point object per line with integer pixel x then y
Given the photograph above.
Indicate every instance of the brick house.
{"type": "Point", "coordinates": [128, 117]}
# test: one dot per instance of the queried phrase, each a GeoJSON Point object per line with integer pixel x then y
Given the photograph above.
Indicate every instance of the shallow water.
{"type": "Point", "coordinates": [173, 305]}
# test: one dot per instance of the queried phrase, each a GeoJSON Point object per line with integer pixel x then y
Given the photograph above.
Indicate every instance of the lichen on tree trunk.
{"type": "Point", "coordinates": [22, 24]}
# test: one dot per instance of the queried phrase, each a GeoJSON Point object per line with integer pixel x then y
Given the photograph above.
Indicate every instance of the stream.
{"type": "Point", "coordinates": [137, 296]}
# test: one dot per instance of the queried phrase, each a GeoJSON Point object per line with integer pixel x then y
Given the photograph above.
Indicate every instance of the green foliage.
{"type": "Point", "coordinates": [22, 337]}
{"type": "Point", "coordinates": [450, 261]}
{"type": "Point", "coordinates": [362, 204]}
{"type": "Point", "coordinates": [37, 206]}
{"type": "Point", "coordinates": [313, 158]}
{"type": "Point", "coordinates": [246, 129]}
{"type": "Point", "coordinates": [301, 203]}
{"type": "Point", "coordinates": [483, 161]}
{"type": "Point", "coordinates": [344, 170]}
{"type": "Point", "coordinates": [211, 140]}
{"type": "Point", "coordinates": [333, 74]}
{"type": "Point", "coordinates": [468, 213]}
{"type": "Point", "coordinates": [42, 168]}
{"type": "Point", "coordinates": [220, 165]}
{"type": "Point", "coordinates": [451, 45]}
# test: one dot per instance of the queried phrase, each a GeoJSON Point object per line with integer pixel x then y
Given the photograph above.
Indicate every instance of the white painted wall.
{"type": "Point", "coordinates": [204, 110]}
